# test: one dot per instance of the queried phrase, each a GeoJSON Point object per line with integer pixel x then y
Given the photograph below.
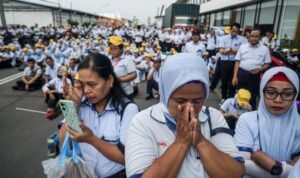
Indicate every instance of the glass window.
{"type": "Point", "coordinates": [212, 19]}
{"type": "Point", "coordinates": [236, 15]}
{"type": "Point", "coordinates": [290, 20]}
{"type": "Point", "coordinates": [226, 19]}
{"type": "Point", "coordinates": [218, 19]}
{"type": "Point", "coordinates": [249, 16]}
{"type": "Point", "coordinates": [267, 12]}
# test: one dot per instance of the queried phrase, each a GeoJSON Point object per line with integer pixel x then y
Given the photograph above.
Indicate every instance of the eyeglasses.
{"type": "Point", "coordinates": [286, 95]}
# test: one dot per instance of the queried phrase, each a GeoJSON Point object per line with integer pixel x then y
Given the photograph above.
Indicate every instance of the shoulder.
{"type": "Point", "coordinates": [249, 119]}
{"type": "Point", "coordinates": [148, 117]}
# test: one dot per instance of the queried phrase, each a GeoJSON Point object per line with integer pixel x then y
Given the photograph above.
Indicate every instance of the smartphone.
{"type": "Point", "coordinates": [70, 113]}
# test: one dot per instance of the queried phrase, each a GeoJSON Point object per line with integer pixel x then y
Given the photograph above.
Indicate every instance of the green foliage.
{"type": "Point", "coordinates": [73, 22]}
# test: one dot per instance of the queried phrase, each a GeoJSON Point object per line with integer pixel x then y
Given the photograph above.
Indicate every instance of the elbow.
{"type": "Point", "coordinates": [238, 172]}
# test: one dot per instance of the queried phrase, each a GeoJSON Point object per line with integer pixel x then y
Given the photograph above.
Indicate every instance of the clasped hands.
{"type": "Point", "coordinates": [188, 130]}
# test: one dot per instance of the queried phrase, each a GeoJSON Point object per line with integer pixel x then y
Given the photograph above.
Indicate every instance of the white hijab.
{"type": "Point", "coordinates": [178, 70]}
{"type": "Point", "coordinates": [278, 133]}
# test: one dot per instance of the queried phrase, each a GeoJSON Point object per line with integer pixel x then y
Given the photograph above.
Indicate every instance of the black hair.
{"type": "Point", "coordinates": [31, 60]}
{"type": "Point", "coordinates": [49, 57]}
{"type": "Point", "coordinates": [256, 29]}
{"type": "Point", "coordinates": [102, 65]}
{"type": "Point", "coordinates": [237, 25]}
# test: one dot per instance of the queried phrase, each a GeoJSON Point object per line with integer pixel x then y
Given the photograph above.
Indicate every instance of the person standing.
{"type": "Point", "coordinates": [195, 46]}
{"type": "Point", "coordinates": [123, 66]}
{"type": "Point", "coordinates": [229, 45]}
{"type": "Point", "coordinates": [252, 59]}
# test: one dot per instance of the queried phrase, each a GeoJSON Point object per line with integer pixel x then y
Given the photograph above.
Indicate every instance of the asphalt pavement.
{"type": "Point", "coordinates": [24, 129]}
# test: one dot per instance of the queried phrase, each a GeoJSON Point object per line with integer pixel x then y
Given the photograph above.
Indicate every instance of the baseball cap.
{"type": "Point", "coordinates": [243, 97]}
{"type": "Point", "coordinates": [227, 30]}
{"type": "Point", "coordinates": [116, 40]}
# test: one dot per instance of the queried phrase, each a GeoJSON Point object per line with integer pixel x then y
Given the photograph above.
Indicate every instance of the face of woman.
{"type": "Point", "coordinates": [281, 103]}
{"type": "Point", "coordinates": [115, 51]}
{"type": "Point", "coordinates": [193, 93]}
{"type": "Point", "coordinates": [95, 88]}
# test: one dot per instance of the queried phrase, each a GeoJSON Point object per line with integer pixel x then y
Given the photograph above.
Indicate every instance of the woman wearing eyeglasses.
{"type": "Point", "coordinates": [269, 138]}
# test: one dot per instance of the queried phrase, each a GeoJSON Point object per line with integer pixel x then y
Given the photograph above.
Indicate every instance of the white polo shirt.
{"type": "Point", "coordinates": [106, 125]}
{"type": "Point", "coordinates": [228, 41]}
{"type": "Point", "coordinates": [57, 83]}
{"type": "Point", "coordinates": [124, 67]}
{"type": "Point", "coordinates": [32, 72]}
{"type": "Point", "coordinates": [149, 136]}
{"type": "Point", "coordinates": [230, 107]}
{"type": "Point", "coordinates": [253, 57]}
{"type": "Point", "coordinates": [196, 48]}
{"type": "Point", "coordinates": [52, 71]}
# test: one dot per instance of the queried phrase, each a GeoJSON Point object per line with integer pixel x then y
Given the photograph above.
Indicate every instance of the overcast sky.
{"type": "Point", "coordinates": [127, 8]}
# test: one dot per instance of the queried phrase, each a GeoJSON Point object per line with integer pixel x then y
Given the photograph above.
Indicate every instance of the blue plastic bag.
{"type": "Point", "coordinates": [69, 163]}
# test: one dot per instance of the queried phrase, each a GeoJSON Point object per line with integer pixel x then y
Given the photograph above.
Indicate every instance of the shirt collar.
{"type": "Point", "coordinates": [108, 106]}
{"type": "Point", "coordinates": [254, 46]}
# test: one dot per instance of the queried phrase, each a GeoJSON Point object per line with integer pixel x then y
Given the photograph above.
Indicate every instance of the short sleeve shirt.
{"type": "Point", "coordinates": [253, 57]}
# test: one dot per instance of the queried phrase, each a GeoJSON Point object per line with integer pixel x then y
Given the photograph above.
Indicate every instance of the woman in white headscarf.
{"type": "Point", "coordinates": [178, 136]}
{"type": "Point", "coordinates": [269, 138]}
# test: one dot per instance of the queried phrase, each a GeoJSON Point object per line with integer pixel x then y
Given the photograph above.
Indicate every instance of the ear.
{"type": "Point", "coordinates": [111, 81]}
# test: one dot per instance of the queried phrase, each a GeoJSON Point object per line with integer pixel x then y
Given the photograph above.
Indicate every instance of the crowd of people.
{"type": "Point", "coordinates": [100, 69]}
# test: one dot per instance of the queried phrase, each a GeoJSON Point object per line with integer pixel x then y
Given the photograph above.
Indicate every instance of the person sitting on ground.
{"type": "Point", "coordinates": [32, 77]}
{"type": "Point", "coordinates": [153, 78]}
{"type": "Point", "coordinates": [232, 108]}
{"type": "Point", "coordinates": [145, 66]}
{"type": "Point", "coordinates": [269, 138]}
{"type": "Point", "coordinates": [212, 66]}
{"type": "Point", "coordinates": [51, 69]}
{"type": "Point", "coordinates": [53, 90]}
{"type": "Point", "coordinates": [180, 137]}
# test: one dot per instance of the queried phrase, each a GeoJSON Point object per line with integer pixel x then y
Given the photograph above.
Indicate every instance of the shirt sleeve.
{"type": "Point", "coordinates": [130, 66]}
{"type": "Point", "coordinates": [267, 57]}
{"type": "Point", "coordinates": [130, 111]}
{"type": "Point", "coordinates": [225, 105]}
{"type": "Point", "coordinates": [223, 141]}
{"type": "Point", "coordinates": [243, 137]}
{"type": "Point", "coordinates": [221, 42]}
{"type": "Point", "coordinates": [47, 72]}
{"type": "Point", "coordinates": [140, 148]}
{"type": "Point", "coordinates": [238, 54]}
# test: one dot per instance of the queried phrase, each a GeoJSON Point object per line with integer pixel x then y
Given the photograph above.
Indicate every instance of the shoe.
{"type": "Point", "coordinates": [49, 114]}
{"type": "Point", "coordinates": [15, 88]}
{"type": "Point", "coordinates": [149, 97]}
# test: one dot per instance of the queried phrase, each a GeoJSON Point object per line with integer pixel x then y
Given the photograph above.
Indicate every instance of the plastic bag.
{"type": "Point", "coordinates": [69, 163]}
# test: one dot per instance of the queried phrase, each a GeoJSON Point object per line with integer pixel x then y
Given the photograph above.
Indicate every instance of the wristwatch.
{"type": "Point", "coordinates": [276, 169]}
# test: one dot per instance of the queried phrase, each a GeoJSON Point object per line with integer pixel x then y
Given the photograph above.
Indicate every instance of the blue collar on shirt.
{"type": "Point", "coordinates": [108, 106]}
{"type": "Point", "coordinates": [171, 123]}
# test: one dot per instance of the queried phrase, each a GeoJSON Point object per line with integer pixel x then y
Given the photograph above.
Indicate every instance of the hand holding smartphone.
{"type": "Point", "coordinates": [70, 113]}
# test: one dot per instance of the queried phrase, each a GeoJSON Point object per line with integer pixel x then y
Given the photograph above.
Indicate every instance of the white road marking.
{"type": "Point", "coordinates": [10, 78]}
{"type": "Point", "coordinates": [30, 110]}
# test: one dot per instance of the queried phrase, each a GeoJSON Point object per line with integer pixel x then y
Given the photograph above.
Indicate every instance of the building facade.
{"type": "Point", "coordinates": [29, 14]}
{"type": "Point", "coordinates": [280, 16]}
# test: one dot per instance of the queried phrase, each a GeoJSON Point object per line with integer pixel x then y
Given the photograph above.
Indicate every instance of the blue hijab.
{"type": "Point", "coordinates": [278, 133]}
{"type": "Point", "coordinates": [180, 69]}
